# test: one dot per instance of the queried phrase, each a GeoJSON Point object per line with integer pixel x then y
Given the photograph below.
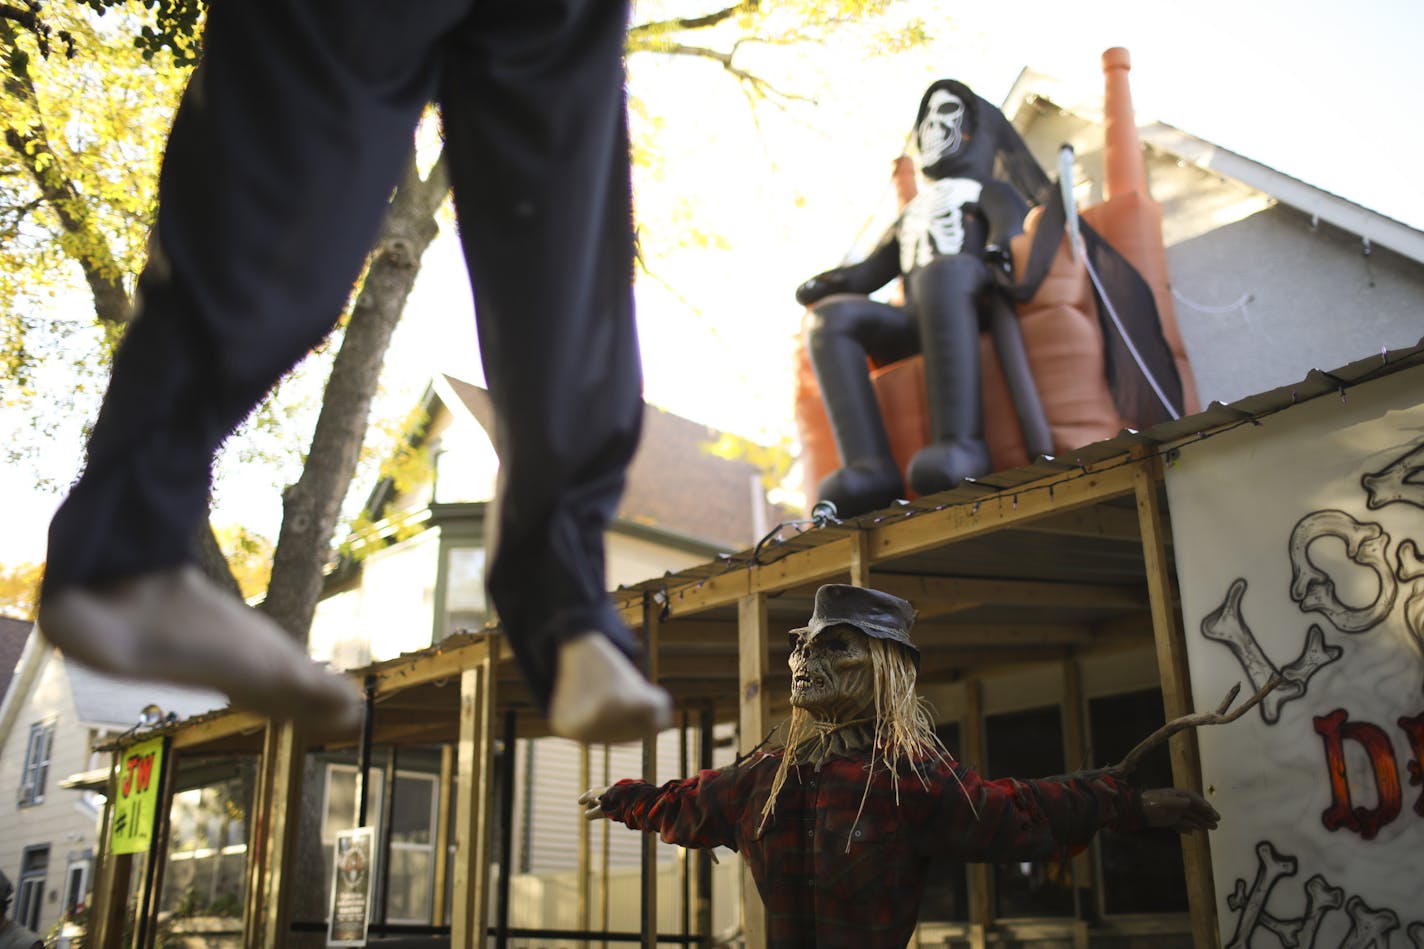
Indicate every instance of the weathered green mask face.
{"type": "Point", "coordinates": [831, 673]}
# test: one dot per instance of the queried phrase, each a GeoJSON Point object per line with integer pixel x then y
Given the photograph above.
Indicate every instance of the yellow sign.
{"type": "Point", "coordinates": [136, 804]}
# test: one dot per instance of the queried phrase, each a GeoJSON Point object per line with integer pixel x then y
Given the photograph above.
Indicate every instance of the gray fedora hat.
{"type": "Point", "coordinates": [876, 614]}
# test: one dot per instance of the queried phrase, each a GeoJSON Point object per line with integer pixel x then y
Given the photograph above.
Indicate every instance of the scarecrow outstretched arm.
{"type": "Point", "coordinates": [696, 812]}
{"type": "Point", "coordinates": [1011, 819]}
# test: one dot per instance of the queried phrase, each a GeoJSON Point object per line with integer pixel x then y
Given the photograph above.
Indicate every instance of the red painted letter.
{"type": "Point", "coordinates": [1336, 730]}
{"type": "Point", "coordinates": [1414, 728]}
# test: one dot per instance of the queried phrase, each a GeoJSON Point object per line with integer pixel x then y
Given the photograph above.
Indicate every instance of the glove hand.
{"type": "Point", "coordinates": [592, 799]}
{"type": "Point", "coordinates": [1178, 809]}
{"type": "Point", "coordinates": [819, 287]}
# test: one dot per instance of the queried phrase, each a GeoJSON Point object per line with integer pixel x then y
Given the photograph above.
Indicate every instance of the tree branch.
{"type": "Point", "coordinates": [88, 247]}
{"type": "Point", "coordinates": [1134, 757]}
{"type": "Point", "coordinates": [694, 23]}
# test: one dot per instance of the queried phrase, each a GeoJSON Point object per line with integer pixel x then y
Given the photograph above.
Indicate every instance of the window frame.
{"type": "Point", "coordinates": [35, 773]}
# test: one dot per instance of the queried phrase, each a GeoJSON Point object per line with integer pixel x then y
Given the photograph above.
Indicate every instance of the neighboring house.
{"type": "Point", "coordinates": [1271, 277]}
{"type": "Point", "coordinates": [12, 642]}
{"type": "Point", "coordinates": [418, 575]}
{"type": "Point", "coordinates": [50, 719]}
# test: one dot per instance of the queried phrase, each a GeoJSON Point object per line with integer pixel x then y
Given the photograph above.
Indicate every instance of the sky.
{"type": "Point", "coordinates": [744, 202]}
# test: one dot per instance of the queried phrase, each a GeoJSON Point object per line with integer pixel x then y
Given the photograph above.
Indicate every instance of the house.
{"type": "Point", "coordinates": [13, 632]}
{"type": "Point", "coordinates": [53, 715]}
{"type": "Point", "coordinates": [1270, 276]}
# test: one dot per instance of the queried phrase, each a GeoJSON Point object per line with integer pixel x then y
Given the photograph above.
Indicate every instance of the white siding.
{"type": "Point", "coordinates": [61, 821]}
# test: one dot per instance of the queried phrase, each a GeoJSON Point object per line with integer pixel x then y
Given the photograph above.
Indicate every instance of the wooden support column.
{"type": "Point", "coordinates": [439, 905]}
{"type": "Point", "coordinates": [585, 841]}
{"type": "Point", "coordinates": [860, 559]}
{"type": "Point", "coordinates": [981, 882]}
{"type": "Point", "coordinates": [474, 759]}
{"type": "Point", "coordinates": [156, 860]}
{"type": "Point", "coordinates": [274, 834]}
{"type": "Point", "coordinates": [652, 626]}
{"type": "Point", "coordinates": [754, 717]}
{"type": "Point", "coordinates": [1176, 693]}
{"type": "Point", "coordinates": [1075, 754]}
{"type": "Point", "coordinates": [111, 884]}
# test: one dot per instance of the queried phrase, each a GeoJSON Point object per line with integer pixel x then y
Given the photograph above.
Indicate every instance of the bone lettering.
{"type": "Point", "coordinates": [1271, 868]}
{"type": "Point", "coordinates": [1369, 928]}
{"type": "Point", "coordinates": [1227, 624]}
{"type": "Point", "coordinates": [1402, 480]}
{"type": "Point", "coordinates": [1313, 590]}
{"type": "Point", "coordinates": [1320, 898]}
{"type": "Point", "coordinates": [1335, 729]}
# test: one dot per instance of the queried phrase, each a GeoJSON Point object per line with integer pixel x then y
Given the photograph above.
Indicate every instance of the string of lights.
{"type": "Point", "coordinates": [773, 545]}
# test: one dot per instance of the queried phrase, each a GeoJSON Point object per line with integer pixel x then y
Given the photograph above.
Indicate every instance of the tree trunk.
{"type": "Point", "coordinates": [311, 507]}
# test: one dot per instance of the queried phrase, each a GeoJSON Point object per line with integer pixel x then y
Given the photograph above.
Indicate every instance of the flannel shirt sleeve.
{"type": "Point", "coordinates": [1031, 820]}
{"type": "Point", "coordinates": [695, 812]}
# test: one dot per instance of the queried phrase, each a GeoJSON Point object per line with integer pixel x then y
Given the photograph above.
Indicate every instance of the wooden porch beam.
{"type": "Point", "coordinates": [754, 721]}
{"type": "Point", "coordinates": [1176, 694]}
{"type": "Point", "coordinates": [474, 757]}
{"type": "Point", "coordinates": [1024, 505]}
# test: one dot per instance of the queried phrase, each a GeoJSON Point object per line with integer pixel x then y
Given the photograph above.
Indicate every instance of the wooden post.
{"type": "Point", "coordinates": [981, 883]}
{"type": "Point", "coordinates": [585, 840]}
{"type": "Point", "coordinates": [652, 626]}
{"type": "Point", "coordinates": [156, 860]}
{"type": "Point", "coordinates": [111, 884]}
{"type": "Point", "coordinates": [860, 559]}
{"type": "Point", "coordinates": [605, 851]}
{"type": "Point", "coordinates": [754, 718]}
{"type": "Point", "coordinates": [281, 803]}
{"type": "Point", "coordinates": [1176, 694]}
{"type": "Point", "coordinates": [474, 759]}
{"type": "Point", "coordinates": [439, 905]}
{"type": "Point", "coordinates": [1075, 755]}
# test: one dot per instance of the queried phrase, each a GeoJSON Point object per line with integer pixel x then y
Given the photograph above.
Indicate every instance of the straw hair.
{"type": "Point", "coordinates": [903, 727]}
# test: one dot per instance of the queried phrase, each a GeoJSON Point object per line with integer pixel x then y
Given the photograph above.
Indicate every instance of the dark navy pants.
{"type": "Point", "coordinates": [277, 173]}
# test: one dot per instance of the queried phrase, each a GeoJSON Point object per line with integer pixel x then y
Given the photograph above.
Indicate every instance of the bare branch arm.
{"type": "Point", "coordinates": [1219, 717]}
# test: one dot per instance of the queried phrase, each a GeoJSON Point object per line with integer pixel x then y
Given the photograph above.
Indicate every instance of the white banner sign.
{"type": "Point", "coordinates": [1298, 545]}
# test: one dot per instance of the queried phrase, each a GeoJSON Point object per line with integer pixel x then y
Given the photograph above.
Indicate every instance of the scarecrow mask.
{"type": "Point", "coordinates": [831, 672]}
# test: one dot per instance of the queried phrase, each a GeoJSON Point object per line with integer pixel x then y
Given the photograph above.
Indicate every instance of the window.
{"type": "Point", "coordinates": [1142, 872]}
{"type": "Point", "coordinates": [412, 848]}
{"type": "Point", "coordinates": [1029, 745]}
{"type": "Point", "coordinates": [412, 837]}
{"type": "Point", "coordinates": [32, 778]}
{"type": "Point", "coordinates": [946, 896]}
{"type": "Point", "coordinates": [465, 606]}
{"type": "Point", "coordinates": [29, 891]}
{"type": "Point", "coordinates": [76, 884]}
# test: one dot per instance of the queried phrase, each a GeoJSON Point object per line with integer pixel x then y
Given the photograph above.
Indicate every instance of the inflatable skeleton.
{"type": "Point", "coordinates": [976, 178]}
{"type": "Point", "coordinates": [838, 827]}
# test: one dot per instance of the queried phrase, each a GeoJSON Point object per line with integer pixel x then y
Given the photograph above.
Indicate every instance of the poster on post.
{"type": "Point", "coordinates": [351, 887]}
{"type": "Point", "coordinates": [136, 804]}
{"type": "Point", "coordinates": [1299, 545]}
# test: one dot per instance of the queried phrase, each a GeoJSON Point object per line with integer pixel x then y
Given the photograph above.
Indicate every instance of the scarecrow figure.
{"type": "Point", "coordinates": [839, 826]}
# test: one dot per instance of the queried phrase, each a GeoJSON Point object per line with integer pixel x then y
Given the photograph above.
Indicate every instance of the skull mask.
{"type": "Point", "coordinates": [940, 132]}
{"type": "Point", "coordinates": [831, 673]}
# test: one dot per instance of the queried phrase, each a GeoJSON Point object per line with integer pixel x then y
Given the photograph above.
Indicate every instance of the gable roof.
{"type": "Point", "coordinates": [674, 483]}
{"type": "Point", "coordinates": [1034, 93]}
{"type": "Point", "coordinates": [13, 632]}
{"type": "Point", "coordinates": [101, 699]}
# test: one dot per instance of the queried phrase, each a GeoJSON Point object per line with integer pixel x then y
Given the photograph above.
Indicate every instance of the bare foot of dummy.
{"type": "Point", "coordinates": [600, 696]}
{"type": "Point", "coordinates": [175, 626]}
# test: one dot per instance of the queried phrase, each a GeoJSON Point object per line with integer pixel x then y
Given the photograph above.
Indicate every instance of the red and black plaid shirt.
{"type": "Point", "coordinates": [829, 879]}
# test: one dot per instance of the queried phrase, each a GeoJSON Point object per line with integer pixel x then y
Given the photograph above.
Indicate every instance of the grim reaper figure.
{"type": "Point", "coordinates": [976, 178]}
{"type": "Point", "coordinates": [839, 826]}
